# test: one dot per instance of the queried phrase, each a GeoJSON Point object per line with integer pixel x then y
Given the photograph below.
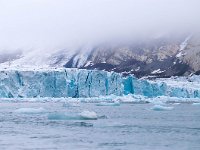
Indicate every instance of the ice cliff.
{"type": "Point", "coordinates": [182, 87]}
{"type": "Point", "coordinates": [29, 83]}
{"type": "Point", "coordinates": [58, 83]}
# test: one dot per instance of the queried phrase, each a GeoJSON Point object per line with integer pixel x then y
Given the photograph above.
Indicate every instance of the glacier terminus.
{"type": "Point", "coordinates": [81, 83]}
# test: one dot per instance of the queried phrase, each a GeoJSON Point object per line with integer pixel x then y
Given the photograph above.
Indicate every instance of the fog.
{"type": "Point", "coordinates": [57, 24]}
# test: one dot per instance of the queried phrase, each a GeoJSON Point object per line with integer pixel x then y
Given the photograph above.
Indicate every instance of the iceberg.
{"type": "Point", "coordinates": [108, 104]}
{"type": "Point", "coordinates": [161, 108]}
{"type": "Point", "coordinates": [62, 116]}
{"type": "Point", "coordinates": [196, 104]}
{"type": "Point", "coordinates": [88, 115]}
{"type": "Point", "coordinates": [30, 110]}
{"type": "Point", "coordinates": [85, 115]}
{"type": "Point", "coordinates": [71, 104]}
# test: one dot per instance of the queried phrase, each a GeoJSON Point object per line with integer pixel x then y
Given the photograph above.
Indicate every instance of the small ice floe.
{"type": "Point", "coordinates": [124, 99]}
{"type": "Point", "coordinates": [30, 110]}
{"type": "Point", "coordinates": [71, 104]}
{"type": "Point", "coordinates": [130, 98]}
{"type": "Point", "coordinates": [196, 104]}
{"type": "Point", "coordinates": [88, 115]}
{"type": "Point", "coordinates": [85, 115]}
{"type": "Point", "coordinates": [62, 116]}
{"type": "Point", "coordinates": [108, 104]}
{"type": "Point", "coordinates": [176, 103]}
{"type": "Point", "coordinates": [161, 108]}
{"type": "Point", "coordinates": [158, 102]}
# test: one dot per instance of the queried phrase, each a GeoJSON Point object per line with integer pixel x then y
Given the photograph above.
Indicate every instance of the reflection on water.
{"type": "Point", "coordinates": [52, 125]}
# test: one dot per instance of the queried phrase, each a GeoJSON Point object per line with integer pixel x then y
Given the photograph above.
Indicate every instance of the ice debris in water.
{"type": "Point", "coordinates": [176, 103]}
{"type": "Point", "coordinates": [196, 104]}
{"type": "Point", "coordinates": [62, 116]}
{"type": "Point", "coordinates": [85, 115]}
{"type": "Point", "coordinates": [108, 104]}
{"type": "Point", "coordinates": [73, 103]}
{"type": "Point", "coordinates": [161, 108]}
{"type": "Point", "coordinates": [91, 115]}
{"type": "Point", "coordinates": [124, 99]}
{"type": "Point", "coordinates": [30, 110]}
{"type": "Point", "coordinates": [130, 98]}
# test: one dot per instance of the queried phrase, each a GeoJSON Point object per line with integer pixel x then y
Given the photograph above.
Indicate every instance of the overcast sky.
{"type": "Point", "coordinates": [55, 24]}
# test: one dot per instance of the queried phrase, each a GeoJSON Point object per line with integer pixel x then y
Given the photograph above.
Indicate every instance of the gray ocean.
{"type": "Point", "coordinates": [56, 126]}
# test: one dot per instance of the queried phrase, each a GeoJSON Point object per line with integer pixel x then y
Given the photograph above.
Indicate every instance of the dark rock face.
{"type": "Point", "coordinates": [157, 58]}
{"type": "Point", "coordinates": [140, 69]}
{"type": "Point", "coordinates": [197, 72]}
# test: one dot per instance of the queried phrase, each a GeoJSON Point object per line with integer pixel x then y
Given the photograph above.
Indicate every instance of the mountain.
{"type": "Point", "coordinates": [156, 57]}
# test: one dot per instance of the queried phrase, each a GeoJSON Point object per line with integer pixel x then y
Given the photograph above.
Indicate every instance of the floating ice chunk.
{"type": "Point", "coordinates": [85, 115]}
{"type": "Point", "coordinates": [161, 108]}
{"type": "Point", "coordinates": [176, 103]}
{"type": "Point", "coordinates": [130, 98]}
{"type": "Point", "coordinates": [62, 116]}
{"type": "Point", "coordinates": [31, 110]}
{"type": "Point", "coordinates": [108, 104]}
{"type": "Point", "coordinates": [88, 115]}
{"type": "Point", "coordinates": [157, 101]}
{"type": "Point", "coordinates": [196, 104]}
{"type": "Point", "coordinates": [124, 99]}
{"type": "Point", "coordinates": [72, 104]}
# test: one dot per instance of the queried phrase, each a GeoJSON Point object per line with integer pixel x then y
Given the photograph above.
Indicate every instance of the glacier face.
{"type": "Point", "coordinates": [83, 83]}
{"type": "Point", "coordinates": [182, 87]}
{"type": "Point", "coordinates": [59, 83]}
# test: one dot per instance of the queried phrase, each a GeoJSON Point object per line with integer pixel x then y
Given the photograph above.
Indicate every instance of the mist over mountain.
{"type": "Point", "coordinates": [141, 37]}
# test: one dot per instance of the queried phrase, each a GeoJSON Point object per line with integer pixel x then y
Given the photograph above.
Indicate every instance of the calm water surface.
{"type": "Point", "coordinates": [124, 127]}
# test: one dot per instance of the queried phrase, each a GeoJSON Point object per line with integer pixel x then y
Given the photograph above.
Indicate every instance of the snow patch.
{"type": "Point", "coordinates": [157, 71]}
{"type": "Point", "coordinates": [89, 63]}
{"type": "Point", "coordinates": [182, 46]}
{"type": "Point", "coordinates": [137, 69]}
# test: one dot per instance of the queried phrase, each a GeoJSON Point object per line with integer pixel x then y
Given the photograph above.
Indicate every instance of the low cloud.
{"type": "Point", "coordinates": [56, 24]}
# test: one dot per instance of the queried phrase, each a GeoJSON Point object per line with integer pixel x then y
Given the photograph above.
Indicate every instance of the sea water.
{"type": "Point", "coordinates": [50, 125]}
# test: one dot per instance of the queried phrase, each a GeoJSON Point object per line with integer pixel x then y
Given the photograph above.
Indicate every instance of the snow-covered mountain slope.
{"type": "Point", "coordinates": [157, 57]}
{"type": "Point", "coordinates": [191, 53]}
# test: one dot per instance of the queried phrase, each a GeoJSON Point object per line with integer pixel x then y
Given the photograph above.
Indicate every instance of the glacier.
{"type": "Point", "coordinates": [81, 83]}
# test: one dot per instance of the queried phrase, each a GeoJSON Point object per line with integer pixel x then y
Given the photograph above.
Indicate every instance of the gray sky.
{"type": "Point", "coordinates": [56, 24]}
